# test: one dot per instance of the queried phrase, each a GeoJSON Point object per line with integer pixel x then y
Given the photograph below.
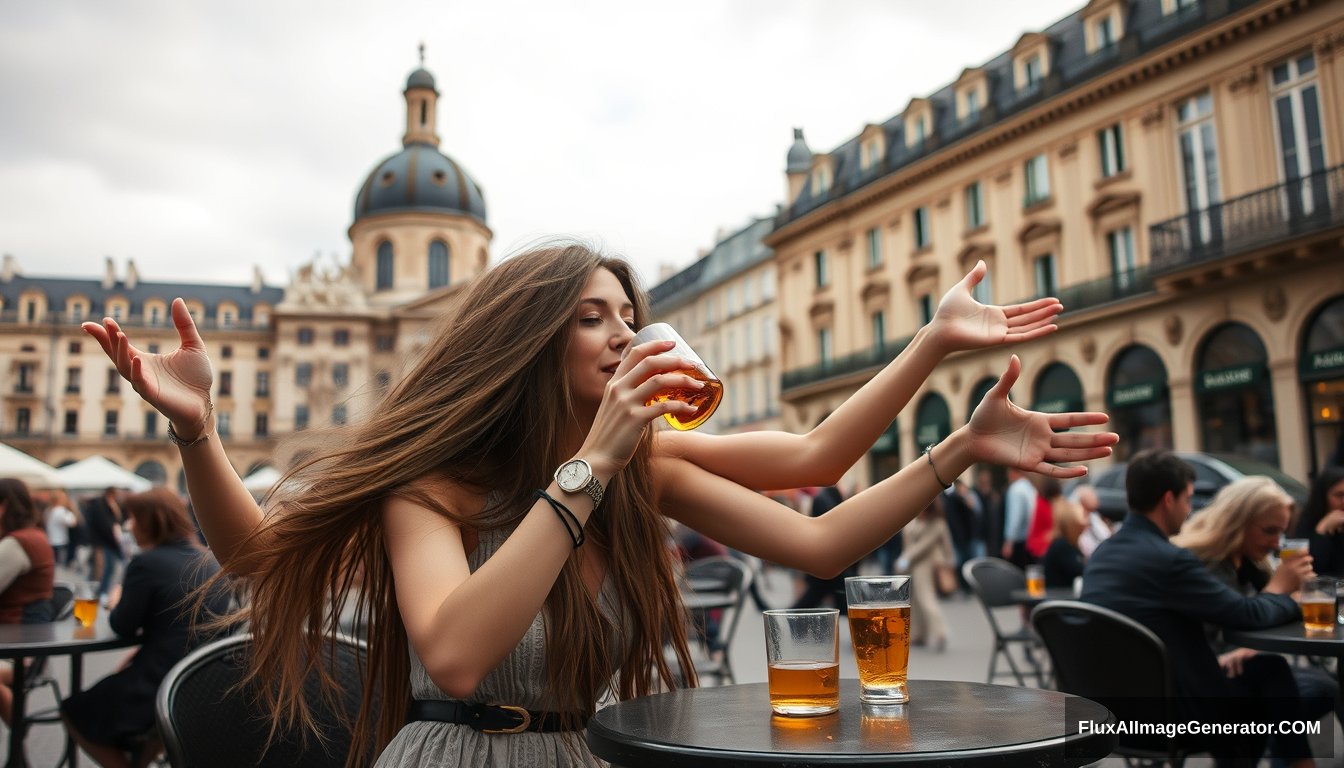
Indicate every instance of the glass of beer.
{"type": "Point", "coordinates": [1318, 604]}
{"type": "Point", "coordinates": [86, 603]}
{"type": "Point", "coordinates": [1036, 580]}
{"type": "Point", "coordinates": [879, 624]}
{"type": "Point", "coordinates": [705, 400]}
{"type": "Point", "coordinates": [802, 649]}
{"type": "Point", "coordinates": [1293, 548]}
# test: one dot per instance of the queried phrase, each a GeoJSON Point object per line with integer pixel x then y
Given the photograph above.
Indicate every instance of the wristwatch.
{"type": "Point", "coordinates": [576, 475]}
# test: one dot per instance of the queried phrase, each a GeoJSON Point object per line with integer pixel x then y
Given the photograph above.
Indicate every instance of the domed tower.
{"type": "Point", "coordinates": [419, 217]}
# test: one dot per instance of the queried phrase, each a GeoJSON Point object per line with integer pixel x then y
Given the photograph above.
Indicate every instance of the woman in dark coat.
{"type": "Point", "coordinates": [152, 601]}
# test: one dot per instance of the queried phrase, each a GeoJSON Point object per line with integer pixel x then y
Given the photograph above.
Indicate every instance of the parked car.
{"type": "Point", "coordinates": [1212, 472]}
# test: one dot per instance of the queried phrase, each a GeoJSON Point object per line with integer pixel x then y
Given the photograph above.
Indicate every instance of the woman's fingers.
{"type": "Point", "coordinates": [99, 334]}
{"type": "Point", "coordinates": [665, 381]}
{"type": "Point", "coordinates": [186, 327]}
{"type": "Point", "coordinates": [633, 356]}
{"type": "Point", "coordinates": [652, 366]}
{"type": "Point", "coordinates": [976, 274]}
{"type": "Point", "coordinates": [1007, 380]}
{"type": "Point", "coordinates": [1083, 439]}
{"type": "Point", "coordinates": [1071, 420]}
{"type": "Point", "coordinates": [1061, 473]}
{"type": "Point", "coordinates": [1027, 335]}
{"type": "Point", "coordinates": [1070, 455]}
{"type": "Point", "coordinates": [1032, 306]}
{"type": "Point", "coordinates": [1034, 318]}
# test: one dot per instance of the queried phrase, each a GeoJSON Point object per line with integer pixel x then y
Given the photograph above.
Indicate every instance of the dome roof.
{"type": "Point", "coordinates": [420, 178]}
{"type": "Point", "coordinates": [800, 157]}
{"type": "Point", "coordinates": [420, 78]}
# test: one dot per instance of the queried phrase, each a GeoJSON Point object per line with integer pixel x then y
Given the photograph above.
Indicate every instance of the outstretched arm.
{"type": "Point", "coordinates": [772, 460]}
{"type": "Point", "coordinates": [999, 432]}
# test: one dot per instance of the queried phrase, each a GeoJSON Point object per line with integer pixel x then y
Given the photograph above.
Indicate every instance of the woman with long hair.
{"type": "Point", "coordinates": [1063, 559]}
{"type": "Point", "coordinates": [1322, 521]}
{"type": "Point", "coordinates": [27, 570]}
{"type": "Point", "coordinates": [499, 516]}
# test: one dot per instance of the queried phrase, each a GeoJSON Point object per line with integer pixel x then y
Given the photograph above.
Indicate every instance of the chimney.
{"type": "Point", "coordinates": [257, 281]}
{"type": "Point", "coordinates": [665, 271]}
{"type": "Point", "coordinates": [109, 275]}
{"type": "Point", "coordinates": [10, 269]}
{"type": "Point", "coordinates": [132, 277]}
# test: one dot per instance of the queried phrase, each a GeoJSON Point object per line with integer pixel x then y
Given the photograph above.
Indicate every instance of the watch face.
{"type": "Point", "coordinates": [572, 476]}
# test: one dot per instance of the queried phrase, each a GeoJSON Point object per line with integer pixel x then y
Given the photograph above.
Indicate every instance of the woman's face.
{"type": "Point", "coordinates": [1263, 532]}
{"type": "Point", "coordinates": [1334, 498]}
{"type": "Point", "coordinates": [604, 323]}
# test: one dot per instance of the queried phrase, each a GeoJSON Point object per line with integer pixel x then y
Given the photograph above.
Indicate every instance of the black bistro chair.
{"type": "Point", "coordinates": [730, 578]}
{"type": "Point", "coordinates": [206, 720]}
{"type": "Point", "coordinates": [38, 675]}
{"type": "Point", "coordinates": [1106, 656]}
{"type": "Point", "coordinates": [993, 580]}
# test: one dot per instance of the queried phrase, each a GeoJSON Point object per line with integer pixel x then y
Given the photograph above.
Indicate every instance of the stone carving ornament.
{"type": "Point", "coordinates": [1276, 303]}
{"type": "Point", "coordinates": [1174, 329]}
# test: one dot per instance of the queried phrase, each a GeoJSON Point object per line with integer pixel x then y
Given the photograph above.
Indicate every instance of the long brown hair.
{"type": "Point", "coordinates": [160, 517]}
{"type": "Point", "coordinates": [488, 407]}
{"type": "Point", "coordinates": [19, 510]}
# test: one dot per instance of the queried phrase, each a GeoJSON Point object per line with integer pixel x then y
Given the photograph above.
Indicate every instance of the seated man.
{"type": "Point", "coordinates": [1140, 574]}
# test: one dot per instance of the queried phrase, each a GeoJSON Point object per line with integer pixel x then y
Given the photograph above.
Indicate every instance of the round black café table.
{"type": "Point", "coordinates": [1295, 639]}
{"type": "Point", "coordinates": [56, 638]}
{"type": "Point", "coordinates": [945, 723]}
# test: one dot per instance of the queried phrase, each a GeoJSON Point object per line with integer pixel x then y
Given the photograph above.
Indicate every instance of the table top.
{"type": "Point", "coordinates": [58, 637]}
{"type": "Point", "coordinates": [944, 723]}
{"type": "Point", "coordinates": [1289, 638]}
{"type": "Point", "coordinates": [1024, 597]}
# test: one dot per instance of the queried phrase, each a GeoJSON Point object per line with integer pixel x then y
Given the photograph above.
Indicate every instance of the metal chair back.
{"type": "Point", "coordinates": [732, 578]}
{"type": "Point", "coordinates": [62, 600]}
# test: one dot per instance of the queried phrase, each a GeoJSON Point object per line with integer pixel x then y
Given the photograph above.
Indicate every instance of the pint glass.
{"type": "Point", "coordinates": [705, 400]}
{"type": "Point", "coordinates": [1036, 580]}
{"type": "Point", "coordinates": [1318, 604]}
{"type": "Point", "coordinates": [86, 603]}
{"type": "Point", "coordinates": [1293, 548]}
{"type": "Point", "coordinates": [802, 649]}
{"type": "Point", "coordinates": [879, 624]}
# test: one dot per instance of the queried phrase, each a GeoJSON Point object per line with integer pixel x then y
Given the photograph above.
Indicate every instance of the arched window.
{"type": "Point", "coordinates": [1137, 401]}
{"type": "Point", "coordinates": [384, 273]}
{"type": "Point", "coordinates": [933, 420]}
{"type": "Point", "coordinates": [438, 264]}
{"type": "Point", "coordinates": [1322, 373]}
{"type": "Point", "coordinates": [1058, 390]}
{"type": "Point", "coordinates": [153, 471]}
{"type": "Point", "coordinates": [1234, 394]}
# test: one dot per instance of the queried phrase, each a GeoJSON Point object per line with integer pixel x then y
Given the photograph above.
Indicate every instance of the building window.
{"type": "Point", "coordinates": [1121, 243]}
{"type": "Point", "coordinates": [300, 417]}
{"type": "Point", "coordinates": [1171, 6]}
{"type": "Point", "coordinates": [224, 423]}
{"type": "Point", "coordinates": [155, 315]}
{"type": "Point", "coordinates": [303, 374]}
{"type": "Point", "coordinates": [74, 348]}
{"type": "Point", "coordinates": [971, 105]}
{"type": "Point", "coordinates": [23, 418]}
{"type": "Point", "coordinates": [261, 318]}
{"type": "Point", "coordinates": [1046, 279]}
{"type": "Point", "coordinates": [340, 337]}
{"type": "Point", "coordinates": [117, 310]}
{"type": "Point", "coordinates": [1111, 141]}
{"type": "Point", "coordinates": [30, 311]}
{"type": "Point", "coordinates": [151, 423]}
{"type": "Point", "coordinates": [226, 318]}
{"type": "Point", "coordinates": [226, 352]}
{"type": "Point", "coordinates": [438, 264]}
{"type": "Point", "coordinates": [821, 181]}
{"type": "Point", "coordinates": [263, 383]}
{"type": "Point", "coordinates": [925, 309]}
{"type": "Point", "coordinates": [919, 131]}
{"type": "Point", "coordinates": [1038, 180]}
{"type": "Point", "coordinates": [1032, 72]}
{"type": "Point", "coordinates": [225, 383]}
{"type": "Point", "coordinates": [72, 381]}
{"type": "Point", "coordinates": [1199, 164]}
{"type": "Point", "coordinates": [261, 425]}
{"type": "Point", "coordinates": [748, 343]}
{"type": "Point", "coordinates": [768, 284]}
{"type": "Point", "coordinates": [384, 269]}
{"type": "Point", "coordinates": [305, 336]}
{"type": "Point", "coordinates": [1297, 120]}
{"type": "Point", "coordinates": [338, 415]}
{"type": "Point", "coordinates": [823, 276]}
{"type": "Point", "coordinates": [824, 345]}
{"type": "Point", "coordinates": [26, 376]}
{"type": "Point", "coordinates": [709, 311]}
{"type": "Point", "coordinates": [748, 292]}
{"type": "Point", "coordinates": [1103, 33]}
{"type": "Point", "coordinates": [263, 353]}
{"type": "Point", "coordinates": [766, 325]}
{"type": "Point", "coordinates": [110, 424]}
{"type": "Point", "coordinates": [71, 422]}
{"type": "Point", "coordinates": [982, 292]}
{"type": "Point", "coordinates": [879, 329]}
{"type": "Point", "coordinates": [975, 205]}
{"type": "Point", "coordinates": [113, 381]}
{"type": "Point", "coordinates": [732, 347]}
{"type": "Point", "coordinates": [922, 235]}
{"type": "Point", "coordinates": [874, 247]}
{"type": "Point", "coordinates": [732, 301]}
{"type": "Point", "coordinates": [385, 342]}
{"type": "Point", "coordinates": [340, 375]}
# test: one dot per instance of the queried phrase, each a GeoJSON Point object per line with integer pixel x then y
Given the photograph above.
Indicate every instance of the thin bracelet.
{"type": "Point", "coordinates": [561, 511]}
{"type": "Point", "coordinates": [928, 454]}
{"type": "Point", "coordinates": [180, 443]}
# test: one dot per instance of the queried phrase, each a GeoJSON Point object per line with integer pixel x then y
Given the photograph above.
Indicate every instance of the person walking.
{"type": "Point", "coordinates": [61, 520]}
{"type": "Point", "coordinates": [104, 516]}
{"type": "Point", "coordinates": [928, 547]}
{"type": "Point", "coordinates": [991, 505]}
{"type": "Point", "coordinates": [1019, 506]}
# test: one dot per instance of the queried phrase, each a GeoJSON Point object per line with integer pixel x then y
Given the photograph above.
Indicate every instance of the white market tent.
{"type": "Point", "coordinates": [97, 473]}
{"type": "Point", "coordinates": [261, 481]}
{"type": "Point", "coordinates": [35, 474]}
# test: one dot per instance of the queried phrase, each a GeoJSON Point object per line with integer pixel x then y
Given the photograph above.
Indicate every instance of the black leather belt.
{"type": "Point", "coordinates": [486, 718]}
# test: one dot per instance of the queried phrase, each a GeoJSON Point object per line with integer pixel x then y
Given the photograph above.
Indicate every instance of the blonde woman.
{"type": "Point", "coordinates": [1063, 561]}
{"type": "Point", "coordinates": [1233, 536]}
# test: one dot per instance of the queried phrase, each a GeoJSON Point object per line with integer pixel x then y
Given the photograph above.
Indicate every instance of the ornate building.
{"type": "Point", "coordinates": [319, 351]}
{"type": "Point", "coordinates": [1171, 169]}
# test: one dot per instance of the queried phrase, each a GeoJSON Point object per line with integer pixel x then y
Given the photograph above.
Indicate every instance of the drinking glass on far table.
{"type": "Point", "coordinates": [1318, 604]}
{"type": "Point", "coordinates": [802, 649]}
{"type": "Point", "coordinates": [1293, 548]}
{"type": "Point", "coordinates": [86, 603]}
{"type": "Point", "coordinates": [879, 625]}
{"type": "Point", "coordinates": [705, 400]}
{"type": "Point", "coordinates": [1036, 580]}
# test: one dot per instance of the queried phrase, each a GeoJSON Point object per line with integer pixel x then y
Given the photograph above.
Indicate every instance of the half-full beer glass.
{"type": "Point", "coordinates": [1036, 580]}
{"type": "Point", "coordinates": [879, 624]}
{"type": "Point", "coordinates": [1318, 604]}
{"type": "Point", "coordinates": [705, 400]}
{"type": "Point", "coordinates": [802, 649]}
{"type": "Point", "coordinates": [1293, 547]}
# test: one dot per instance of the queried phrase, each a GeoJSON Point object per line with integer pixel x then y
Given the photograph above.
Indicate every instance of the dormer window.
{"type": "Point", "coordinates": [1031, 72]}
{"type": "Point", "coordinates": [821, 179]}
{"type": "Point", "coordinates": [1031, 61]}
{"type": "Point", "coordinates": [872, 146]}
{"type": "Point", "coordinates": [1172, 6]}
{"type": "Point", "coordinates": [1104, 24]}
{"type": "Point", "coordinates": [872, 155]}
{"type": "Point", "coordinates": [970, 105]}
{"type": "Point", "coordinates": [920, 133]}
{"type": "Point", "coordinates": [972, 91]}
{"type": "Point", "coordinates": [1105, 32]}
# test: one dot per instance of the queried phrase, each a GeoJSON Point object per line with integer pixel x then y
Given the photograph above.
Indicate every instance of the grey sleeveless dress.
{"type": "Point", "coordinates": [520, 680]}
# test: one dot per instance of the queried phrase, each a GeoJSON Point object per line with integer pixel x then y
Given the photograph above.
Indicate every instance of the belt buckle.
{"type": "Point", "coordinates": [527, 720]}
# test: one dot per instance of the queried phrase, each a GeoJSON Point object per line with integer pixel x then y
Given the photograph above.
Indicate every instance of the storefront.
{"type": "Point", "coordinates": [1057, 390]}
{"type": "Point", "coordinates": [1138, 402]}
{"type": "Point", "coordinates": [1321, 369]}
{"type": "Point", "coordinates": [1234, 397]}
{"type": "Point", "coordinates": [933, 420]}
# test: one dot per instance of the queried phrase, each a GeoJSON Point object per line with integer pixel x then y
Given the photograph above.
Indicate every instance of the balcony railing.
{"type": "Point", "coordinates": [872, 357]}
{"type": "Point", "coordinates": [11, 316]}
{"type": "Point", "coordinates": [1266, 217]}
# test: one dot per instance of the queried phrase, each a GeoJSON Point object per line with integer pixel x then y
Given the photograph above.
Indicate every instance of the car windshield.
{"type": "Point", "coordinates": [1252, 467]}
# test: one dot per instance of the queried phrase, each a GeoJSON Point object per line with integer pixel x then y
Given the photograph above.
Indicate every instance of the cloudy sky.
{"type": "Point", "coordinates": [203, 138]}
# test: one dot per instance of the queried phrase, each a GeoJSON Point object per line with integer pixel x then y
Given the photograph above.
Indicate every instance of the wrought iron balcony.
{"type": "Point", "coordinates": [1267, 217]}
{"type": "Point", "coordinates": [1105, 290]}
{"type": "Point", "coordinates": [873, 357]}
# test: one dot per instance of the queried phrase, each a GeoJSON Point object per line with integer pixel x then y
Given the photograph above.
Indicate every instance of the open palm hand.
{"type": "Point", "coordinates": [176, 384]}
{"type": "Point", "coordinates": [962, 323]}
{"type": "Point", "coordinates": [1005, 434]}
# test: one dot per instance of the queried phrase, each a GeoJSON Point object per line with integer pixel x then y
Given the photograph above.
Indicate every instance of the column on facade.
{"type": "Point", "coordinates": [1184, 415]}
{"type": "Point", "coordinates": [1292, 435]}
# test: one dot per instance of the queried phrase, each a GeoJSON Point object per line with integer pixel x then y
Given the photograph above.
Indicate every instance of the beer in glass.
{"type": "Point", "coordinates": [879, 625]}
{"type": "Point", "coordinates": [1293, 548]}
{"type": "Point", "coordinates": [1036, 580]}
{"type": "Point", "coordinates": [705, 400]}
{"type": "Point", "coordinates": [802, 650]}
{"type": "Point", "coordinates": [1318, 604]}
{"type": "Point", "coordinates": [86, 603]}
